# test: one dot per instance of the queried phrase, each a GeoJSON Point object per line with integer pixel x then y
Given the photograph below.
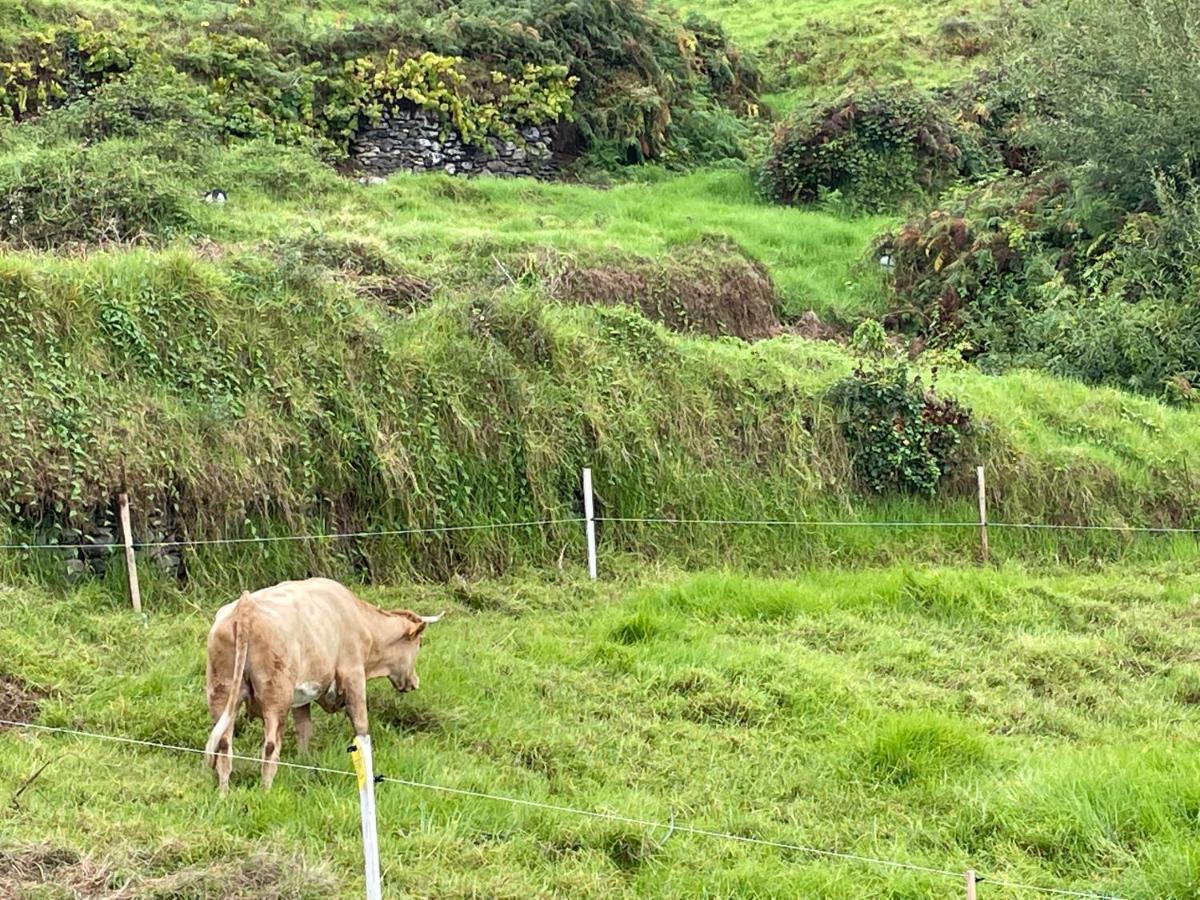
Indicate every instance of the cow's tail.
{"type": "Point", "coordinates": [241, 649]}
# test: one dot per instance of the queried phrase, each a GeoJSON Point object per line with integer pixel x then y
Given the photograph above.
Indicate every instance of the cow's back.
{"type": "Point", "coordinates": [317, 623]}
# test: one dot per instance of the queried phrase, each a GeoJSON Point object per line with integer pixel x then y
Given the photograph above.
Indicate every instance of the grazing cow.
{"type": "Point", "coordinates": [286, 646]}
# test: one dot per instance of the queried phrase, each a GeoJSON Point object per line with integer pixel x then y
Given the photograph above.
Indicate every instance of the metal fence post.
{"type": "Point", "coordinates": [589, 522]}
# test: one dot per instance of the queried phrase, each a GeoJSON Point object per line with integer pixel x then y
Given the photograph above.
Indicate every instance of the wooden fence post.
{"type": "Point", "coordinates": [983, 535]}
{"type": "Point", "coordinates": [130, 560]}
{"type": "Point", "coordinates": [970, 884]}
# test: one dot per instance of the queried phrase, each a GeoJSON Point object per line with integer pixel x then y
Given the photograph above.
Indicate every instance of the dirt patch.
{"type": "Point", "coordinates": [712, 289]}
{"type": "Point", "coordinates": [810, 326]}
{"type": "Point", "coordinates": [18, 701]}
{"type": "Point", "coordinates": [46, 871]}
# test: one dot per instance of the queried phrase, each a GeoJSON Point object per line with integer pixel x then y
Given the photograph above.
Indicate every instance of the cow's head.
{"type": "Point", "coordinates": [401, 661]}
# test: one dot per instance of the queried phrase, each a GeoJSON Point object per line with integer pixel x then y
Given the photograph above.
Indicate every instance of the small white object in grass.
{"type": "Point", "coordinates": [371, 179]}
{"type": "Point", "coordinates": [215, 196]}
{"type": "Point", "coordinates": [887, 262]}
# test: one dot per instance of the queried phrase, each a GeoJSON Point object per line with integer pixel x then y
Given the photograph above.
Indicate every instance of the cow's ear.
{"type": "Point", "coordinates": [417, 628]}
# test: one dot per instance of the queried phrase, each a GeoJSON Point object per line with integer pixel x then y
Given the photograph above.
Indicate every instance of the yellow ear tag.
{"type": "Point", "coordinates": [360, 768]}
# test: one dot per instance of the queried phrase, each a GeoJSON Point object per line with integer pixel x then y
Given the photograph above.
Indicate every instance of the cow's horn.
{"type": "Point", "coordinates": [429, 620]}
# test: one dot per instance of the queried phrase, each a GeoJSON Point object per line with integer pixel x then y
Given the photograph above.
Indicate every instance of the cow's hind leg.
{"type": "Point", "coordinates": [302, 715]}
{"type": "Point", "coordinates": [273, 721]}
{"type": "Point", "coordinates": [222, 760]}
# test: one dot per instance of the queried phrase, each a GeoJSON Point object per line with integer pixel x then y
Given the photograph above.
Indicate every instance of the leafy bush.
{"type": "Point", "coordinates": [637, 66]}
{"type": "Point", "coordinates": [56, 65]}
{"type": "Point", "coordinates": [902, 436]}
{"type": "Point", "coordinates": [872, 148]}
{"type": "Point", "coordinates": [1033, 273]}
{"type": "Point", "coordinates": [113, 191]}
{"type": "Point", "coordinates": [152, 99]}
{"type": "Point", "coordinates": [1118, 80]}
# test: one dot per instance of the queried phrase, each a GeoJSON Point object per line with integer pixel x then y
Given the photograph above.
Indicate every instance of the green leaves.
{"type": "Point", "coordinates": [902, 436]}
{"type": "Point", "coordinates": [871, 149]}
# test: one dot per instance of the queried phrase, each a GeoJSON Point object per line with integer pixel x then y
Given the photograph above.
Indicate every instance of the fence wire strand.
{"type": "Point", "coordinates": [268, 538]}
{"type": "Point", "coordinates": [670, 827]}
{"type": "Point", "coordinates": [579, 520]}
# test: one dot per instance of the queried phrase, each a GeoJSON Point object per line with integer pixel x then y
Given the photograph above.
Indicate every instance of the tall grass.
{"type": "Point", "coordinates": [258, 392]}
{"type": "Point", "coordinates": [815, 48]}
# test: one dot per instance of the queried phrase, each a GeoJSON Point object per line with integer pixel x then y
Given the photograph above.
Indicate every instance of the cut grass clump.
{"type": "Point", "coordinates": [921, 748]}
{"type": "Point", "coordinates": [42, 870]}
{"type": "Point", "coordinates": [712, 290]}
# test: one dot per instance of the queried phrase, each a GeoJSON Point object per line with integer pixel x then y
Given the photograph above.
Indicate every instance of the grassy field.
{"type": "Point", "coordinates": [814, 48]}
{"type": "Point", "coordinates": [1035, 726]}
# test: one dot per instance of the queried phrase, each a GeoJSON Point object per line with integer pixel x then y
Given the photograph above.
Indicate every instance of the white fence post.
{"type": "Point", "coordinates": [364, 767]}
{"type": "Point", "coordinates": [590, 522]}
{"type": "Point", "coordinates": [983, 535]}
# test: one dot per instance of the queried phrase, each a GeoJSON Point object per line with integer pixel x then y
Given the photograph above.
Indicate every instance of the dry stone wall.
{"type": "Point", "coordinates": [414, 141]}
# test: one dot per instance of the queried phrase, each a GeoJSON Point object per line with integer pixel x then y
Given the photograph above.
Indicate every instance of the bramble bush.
{"type": "Point", "coordinates": [872, 148]}
{"type": "Point", "coordinates": [902, 435]}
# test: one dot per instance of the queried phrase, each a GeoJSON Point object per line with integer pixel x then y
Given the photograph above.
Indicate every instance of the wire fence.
{"type": "Point", "coordinates": [579, 520]}
{"type": "Point", "coordinates": [276, 538]}
{"type": "Point", "coordinates": [669, 827]}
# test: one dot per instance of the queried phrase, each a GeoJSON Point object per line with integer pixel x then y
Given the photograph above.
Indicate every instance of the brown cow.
{"type": "Point", "coordinates": [286, 646]}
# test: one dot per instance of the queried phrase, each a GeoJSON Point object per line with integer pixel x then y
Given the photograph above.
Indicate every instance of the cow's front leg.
{"type": "Point", "coordinates": [354, 690]}
{"type": "Point", "coordinates": [302, 715]}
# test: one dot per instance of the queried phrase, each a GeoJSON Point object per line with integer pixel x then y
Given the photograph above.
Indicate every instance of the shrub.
{"type": "Point", "coordinates": [113, 191]}
{"type": "Point", "coordinates": [1042, 273]}
{"type": "Point", "coordinates": [56, 65]}
{"type": "Point", "coordinates": [872, 148]}
{"type": "Point", "coordinates": [1118, 80]}
{"type": "Point", "coordinates": [902, 436]}
{"type": "Point", "coordinates": [152, 99]}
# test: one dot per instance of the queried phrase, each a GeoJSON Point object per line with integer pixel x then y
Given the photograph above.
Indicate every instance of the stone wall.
{"type": "Point", "coordinates": [410, 140]}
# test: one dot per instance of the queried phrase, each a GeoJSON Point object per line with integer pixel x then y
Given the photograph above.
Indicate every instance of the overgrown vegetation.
{"type": "Point", "coordinates": [1086, 267]}
{"type": "Point", "coordinates": [641, 84]}
{"type": "Point", "coordinates": [902, 435]}
{"type": "Point", "coordinates": [872, 150]}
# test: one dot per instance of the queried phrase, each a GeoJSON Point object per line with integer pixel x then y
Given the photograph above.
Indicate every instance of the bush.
{"type": "Point", "coordinates": [57, 65]}
{"type": "Point", "coordinates": [902, 436]}
{"type": "Point", "coordinates": [1034, 273]}
{"type": "Point", "coordinates": [151, 100]}
{"type": "Point", "coordinates": [871, 148]}
{"type": "Point", "coordinates": [1118, 80]}
{"type": "Point", "coordinates": [113, 191]}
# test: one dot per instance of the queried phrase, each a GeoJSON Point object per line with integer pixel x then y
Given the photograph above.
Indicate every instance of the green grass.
{"type": "Point", "coordinates": [811, 255]}
{"type": "Point", "coordinates": [1035, 726]}
{"type": "Point", "coordinates": [812, 49]}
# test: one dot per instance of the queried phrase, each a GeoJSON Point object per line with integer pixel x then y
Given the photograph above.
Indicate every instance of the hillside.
{"type": "Point", "coordinates": [336, 309]}
{"type": "Point", "coordinates": [781, 273]}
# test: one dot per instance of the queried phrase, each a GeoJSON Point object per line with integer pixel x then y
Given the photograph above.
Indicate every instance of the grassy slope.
{"type": "Point", "coordinates": [814, 48]}
{"type": "Point", "coordinates": [1034, 726]}
{"type": "Point", "coordinates": [484, 409]}
{"type": "Point", "coordinates": [448, 224]}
